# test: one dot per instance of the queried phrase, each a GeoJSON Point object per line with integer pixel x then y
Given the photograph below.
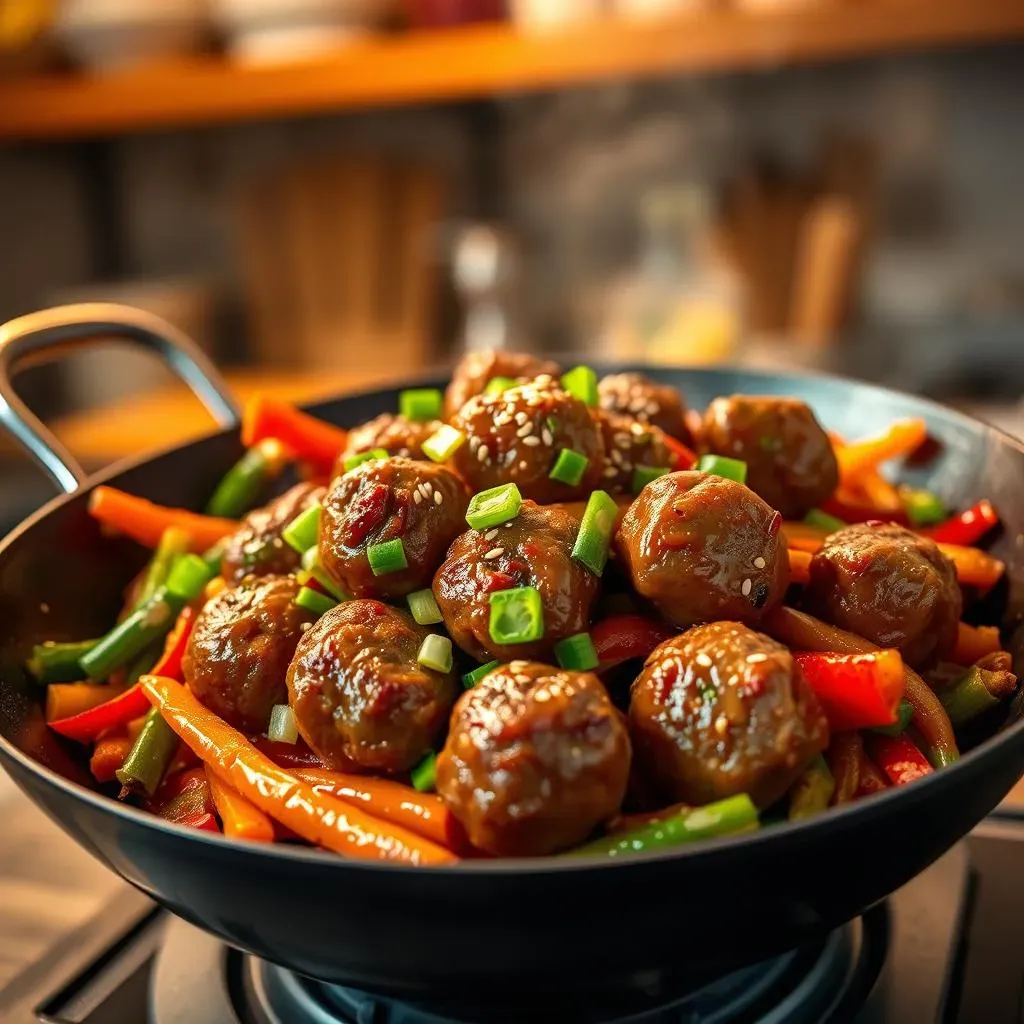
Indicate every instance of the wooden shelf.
{"type": "Point", "coordinates": [493, 60]}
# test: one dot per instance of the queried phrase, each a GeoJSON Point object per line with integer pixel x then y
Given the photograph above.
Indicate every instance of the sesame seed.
{"type": "Point", "coordinates": [622, 441]}
{"type": "Point", "coordinates": [474, 443]}
{"type": "Point", "coordinates": [638, 429]}
{"type": "Point", "coordinates": [721, 725]}
{"type": "Point", "coordinates": [531, 442]}
{"type": "Point", "coordinates": [610, 471]}
{"type": "Point", "coordinates": [547, 437]}
{"type": "Point", "coordinates": [746, 588]}
{"type": "Point", "coordinates": [491, 534]}
{"type": "Point", "coordinates": [417, 497]}
{"type": "Point", "coordinates": [522, 465]}
{"type": "Point", "coordinates": [428, 487]}
{"type": "Point", "coordinates": [438, 497]}
{"type": "Point", "coordinates": [483, 452]}
{"type": "Point", "coordinates": [525, 430]}
{"type": "Point", "coordinates": [494, 553]}
{"type": "Point", "coordinates": [756, 659]}
{"type": "Point", "coordinates": [617, 457]}
{"type": "Point", "coordinates": [759, 562]}
{"type": "Point", "coordinates": [704, 660]}
{"type": "Point", "coordinates": [521, 417]}
{"type": "Point", "coordinates": [422, 490]}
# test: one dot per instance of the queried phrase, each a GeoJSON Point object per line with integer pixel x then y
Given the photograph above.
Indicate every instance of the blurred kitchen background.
{"type": "Point", "coordinates": [328, 194]}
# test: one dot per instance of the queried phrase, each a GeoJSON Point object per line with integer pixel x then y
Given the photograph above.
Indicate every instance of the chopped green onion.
{"type": "Point", "coordinates": [499, 385]}
{"type": "Point", "coordinates": [569, 467]}
{"type": "Point", "coordinates": [371, 456]}
{"type": "Point", "coordinates": [151, 754]}
{"type": "Point", "coordinates": [174, 541]}
{"type": "Point", "coordinates": [581, 382]}
{"type": "Point", "coordinates": [517, 616]}
{"type": "Point", "coordinates": [719, 465]}
{"type": "Point", "coordinates": [58, 662]}
{"type": "Point", "coordinates": [594, 538]}
{"type": "Point", "coordinates": [494, 506]}
{"type": "Point", "coordinates": [444, 444]}
{"type": "Point", "coordinates": [311, 563]}
{"type": "Point", "coordinates": [237, 492]}
{"type": "Point", "coordinates": [424, 608]}
{"type": "Point", "coordinates": [421, 405]}
{"type": "Point", "coordinates": [904, 713]}
{"type": "Point", "coordinates": [315, 602]}
{"type": "Point", "coordinates": [387, 557]}
{"type": "Point", "coordinates": [214, 555]}
{"type": "Point", "coordinates": [922, 507]}
{"type": "Point", "coordinates": [725, 817]}
{"type": "Point", "coordinates": [188, 577]}
{"type": "Point", "coordinates": [436, 653]}
{"type": "Point", "coordinates": [424, 775]}
{"type": "Point", "coordinates": [824, 521]}
{"type": "Point", "coordinates": [303, 531]}
{"type": "Point", "coordinates": [577, 653]}
{"type": "Point", "coordinates": [282, 728]}
{"type": "Point", "coordinates": [470, 679]}
{"type": "Point", "coordinates": [643, 475]}
{"type": "Point", "coordinates": [132, 636]}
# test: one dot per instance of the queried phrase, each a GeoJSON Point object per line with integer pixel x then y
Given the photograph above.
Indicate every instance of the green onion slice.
{"type": "Point", "coordinates": [499, 385]}
{"type": "Point", "coordinates": [311, 563]}
{"type": "Point", "coordinates": [494, 506]}
{"type": "Point", "coordinates": [283, 727]}
{"type": "Point", "coordinates": [577, 653]}
{"type": "Point", "coordinates": [824, 521]}
{"type": "Point", "coordinates": [643, 475]}
{"type": "Point", "coordinates": [923, 508]}
{"type": "Point", "coordinates": [188, 577]}
{"type": "Point", "coordinates": [436, 653]}
{"type": "Point", "coordinates": [581, 381]}
{"type": "Point", "coordinates": [440, 447]}
{"type": "Point", "coordinates": [371, 456]}
{"type": "Point", "coordinates": [421, 405]}
{"type": "Point", "coordinates": [387, 557]}
{"type": "Point", "coordinates": [569, 467]}
{"type": "Point", "coordinates": [719, 465]}
{"type": "Point", "coordinates": [470, 679]}
{"type": "Point", "coordinates": [424, 775]}
{"type": "Point", "coordinates": [303, 531]}
{"type": "Point", "coordinates": [594, 539]}
{"type": "Point", "coordinates": [424, 608]}
{"type": "Point", "coordinates": [315, 602]}
{"type": "Point", "coordinates": [517, 616]}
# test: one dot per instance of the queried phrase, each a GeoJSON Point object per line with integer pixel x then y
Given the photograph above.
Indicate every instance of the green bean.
{"type": "Point", "coordinates": [58, 662]}
{"type": "Point", "coordinates": [150, 756]}
{"type": "Point", "coordinates": [174, 542]}
{"type": "Point", "coordinates": [237, 492]}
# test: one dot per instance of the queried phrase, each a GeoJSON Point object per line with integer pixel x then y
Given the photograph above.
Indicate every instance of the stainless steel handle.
{"type": "Point", "coordinates": [51, 333]}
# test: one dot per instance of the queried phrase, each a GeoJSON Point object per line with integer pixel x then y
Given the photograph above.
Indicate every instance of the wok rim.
{"type": "Point", "coordinates": [847, 816]}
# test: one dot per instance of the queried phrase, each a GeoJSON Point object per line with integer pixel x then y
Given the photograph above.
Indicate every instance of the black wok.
{"type": "Point", "coordinates": [516, 927]}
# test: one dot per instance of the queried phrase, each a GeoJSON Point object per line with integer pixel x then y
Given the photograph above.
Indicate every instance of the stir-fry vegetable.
{"type": "Point", "coordinates": [974, 642]}
{"type": "Point", "coordinates": [899, 758]}
{"type": "Point", "coordinates": [58, 662]}
{"type": "Point", "coordinates": [968, 527]}
{"type": "Point", "coordinates": [844, 760]}
{"type": "Point", "coordinates": [904, 716]}
{"type": "Point", "coordinates": [307, 438]}
{"type": "Point", "coordinates": [243, 483]}
{"type": "Point", "coordinates": [901, 438]}
{"type": "Point", "coordinates": [869, 779]}
{"type": "Point", "coordinates": [239, 818]}
{"type": "Point", "coordinates": [626, 637]}
{"type": "Point", "coordinates": [593, 540]}
{"type": "Point", "coordinates": [84, 713]}
{"type": "Point", "coordinates": [149, 757]}
{"type": "Point", "coordinates": [982, 687]}
{"type": "Point", "coordinates": [812, 792]}
{"type": "Point", "coordinates": [857, 691]}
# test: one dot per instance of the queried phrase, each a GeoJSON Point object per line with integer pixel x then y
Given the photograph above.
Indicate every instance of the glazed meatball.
{"type": "Point", "coordinates": [643, 399]}
{"type": "Point", "coordinates": [238, 654]}
{"type": "Point", "coordinates": [533, 550]}
{"type": "Point", "coordinates": [629, 443]}
{"type": "Point", "coordinates": [477, 369]}
{"type": "Point", "coordinates": [395, 434]}
{"type": "Point", "coordinates": [790, 462]}
{"type": "Point", "coordinates": [423, 504]}
{"type": "Point", "coordinates": [891, 586]}
{"type": "Point", "coordinates": [723, 710]}
{"type": "Point", "coordinates": [516, 437]}
{"type": "Point", "coordinates": [704, 548]}
{"type": "Point", "coordinates": [361, 699]}
{"type": "Point", "coordinates": [256, 548]}
{"type": "Point", "coordinates": [536, 758]}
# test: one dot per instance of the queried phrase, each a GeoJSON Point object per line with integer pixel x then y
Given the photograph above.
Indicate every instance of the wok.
{"type": "Point", "coordinates": [515, 927]}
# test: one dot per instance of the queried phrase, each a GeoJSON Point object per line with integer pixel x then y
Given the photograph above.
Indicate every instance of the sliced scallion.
{"type": "Point", "coordinates": [387, 557]}
{"type": "Point", "coordinates": [581, 381]}
{"type": "Point", "coordinates": [494, 506]}
{"type": "Point", "coordinates": [302, 532]}
{"type": "Point", "coordinates": [569, 467]}
{"type": "Point", "coordinates": [470, 679]}
{"type": "Point", "coordinates": [315, 602]}
{"type": "Point", "coordinates": [720, 465]}
{"type": "Point", "coordinates": [594, 539]}
{"type": "Point", "coordinates": [517, 616]}
{"type": "Point", "coordinates": [283, 728]}
{"type": "Point", "coordinates": [188, 577]}
{"type": "Point", "coordinates": [441, 446]}
{"type": "Point", "coordinates": [424, 775]}
{"type": "Point", "coordinates": [371, 456]}
{"type": "Point", "coordinates": [424, 608]}
{"type": "Point", "coordinates": [436, 653]}
{"type": "Point", "coordinates": [421, 405]}
{"type": "Point", "coordinates": [311, 563]}
{"type": "Point", "coordinates": [643, 475]}
{"type": "Point", "coordinates": [577, 653]}
{"type": "Point", "coordinates": [923, 508]}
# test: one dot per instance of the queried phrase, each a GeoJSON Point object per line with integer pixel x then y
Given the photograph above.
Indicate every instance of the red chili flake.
{"type": "Point", "coordinates": [530, 549]}
{"type": "Point", "coordinates": [669, 678]}
{"type": "Point", "coordinates": [366, 513]}
{"type": "Point", "coordinates": [498, 581]}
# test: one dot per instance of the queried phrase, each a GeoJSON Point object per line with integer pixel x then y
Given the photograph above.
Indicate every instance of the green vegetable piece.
{"type": "Point", "coordinates": [150, 756]}
{"type": "Point", "coordinates": [238, 491]}
{"type": "Point", "coordinates": [58, 662]}
{"type": "Point", "coordinates": [923, 508]}
{"type": "Point", "coordinates": [441, 446]}
{"type": "Point", "coordinates": [812, 792]}
{"type": "Point", "coordinates": [517, 616]}
{"type": "Point", "coordinates": [173, 542]}
{"type": "Point", "coordinates": [719, 465]}
{"type": "Point", "coordinates": [311, 563]}
{"type": "Point", "coordinates": [904, 713]}
{"type": "Point", "coordinates": [499, 385]}
{"type": "Point", "coordinates": [315, 602]}
{"type": "Point", "coordinates": [188, 577]}
{"type": "Point", "coordinates": [968, 699]}
{"type": "Point", "coordinates": [470, 679]}
{"type": "Point", "coordinates": [282, 728]}
{"type": "Point", "coordinates": [824, 521]}
{"type": "Point", "coordinates": [303, 531]}
{"type": "Point", "coordinates": [436, 653]}
{"type": "Point", "coordinates": [421, 405]}
{"type": "Point", "coordinates": [424, 775]}
{"type": "Point", "coordinates": [643, 475]}
{"type": "Point", "coordinates": [494, 506]}
{"type": "Point", "coordinates": [577, 653]}
{"type": "Point", "coordinates": [593, 540]}
{"type": "Point", "coordinates": [581, 381]}
{"type": "Point", "coordinates": [371, 456]}
{"type": "Point", "coordinates": [387, 557]}
{"type": "Point", "coordinates": [424, 608]}
{"type": "Point", "coordinates": [569, 467]}
{"type": "Point", "coordinates": [213, 556]}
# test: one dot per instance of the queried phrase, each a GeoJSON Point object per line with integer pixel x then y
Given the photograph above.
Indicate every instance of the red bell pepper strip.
{"type": "Point", "coordinates": [89, 725]}
{"type": "Point", "coordinates": [625, 637]}
{"type": "Point", "coordinates": [182, 795]}
{"type": "Point", "coordinates": [309, 439]}
{"type": "Point", "coordinates": [682, 457]}
{"type": "Point", "coordinates": [856, 691]}
{"type": "Point", "coordinates": [202, 822]}
{"type": "Point", "coordinates": [898, 757]}
{"type": "Point", "coordinates": [843, 758]}
{"type": "Point", "coordinates": [967, 528]}
{"type": "Point", "coordinates": [869, 779]}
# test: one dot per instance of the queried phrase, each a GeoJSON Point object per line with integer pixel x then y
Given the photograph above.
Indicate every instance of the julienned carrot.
{"type": "Point", "coordinates": [108, 756]}
{"type": "Point", "coordinates": [803, 536]}
{"type": "Point", "coordinates": [145, 522]}
{"type": "Point", "coordinates": [974, 567]}
{"type": "Point", "coordinates": [873, 488]}
{"type": "Point", "coordinates": [901, 438]}
{"type": "Point", "coordinates": [238, 817]}
{"type": "Point", "coordinates": [803, 632]}
{"type": "Point", "coordinates": [799, 566]}
{"type": "Point", "coordinates": [69, 700]}
{"type": "Point", "coordinates": [974, 642]}
{"type": "Point", "coordinates": [422, 813]}
{"type": "Point", "coordinates": [323, 820]}
{"type": "Point", "coordinates": [309, 439]}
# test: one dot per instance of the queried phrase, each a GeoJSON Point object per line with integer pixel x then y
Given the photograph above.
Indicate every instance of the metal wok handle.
{"type": "Point", "coordinates": [51, 333]}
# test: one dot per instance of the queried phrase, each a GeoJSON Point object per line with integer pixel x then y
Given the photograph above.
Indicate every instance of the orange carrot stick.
{"type": "Point", "coordinates": [108, 756]}
{"type": "Point", "coordinates": [238, 817]}
{"type": "Point", "coordinates": [145, 522]}
{"type": "Point", "coordinates": [65, 700]}
{"type": "Point", "coordinates": [317, 818]}
{"type": "Point", "coordinates": [900, 439]}
{"type": "Point", "coordinates": [308, 438]}
{"type": "Point", "coordinates": [974, 567]}
{"type": "Point", "coordinates": [974, 642]}
{"type": "Point", "coordinates": [799, 566]}
{"type": "Point", "coordinates": [422, 813]}
{"type": "Point", "coordinates": [878, 492]}
{"type": "Point", "coordinates": [803, 536]}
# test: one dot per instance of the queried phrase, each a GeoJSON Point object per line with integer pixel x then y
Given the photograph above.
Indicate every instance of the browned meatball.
{"type": "Point", "coordinates": [891, 586]}
{"type": "Point", "coordinates": [516, 437]}
{"type": "Point", "coordinates": [703, 548]}
{"type": "Point", "coordinates": [723, 710]}
{"type": "Point", "coordinates": [477, 369]}
{"type": "Point", "coordinates": [534, 550]}
{"type": "Point", "coordinates": [395, 434]}
{"type": "Point", "coordinates": [240, 647]}
{"type": "Point", "coordinates": [636, 395]}
{"type": "Point", "coordinates": [629, 443]}
{"type": "Point", "coordinates": [256, 548]}
{"type": "Point", "coordinates": [360, 697]}
{"type": "Point", "coordinates": [536, 758]}
{"type": "Point", "coordinates": [423, 504]}
{"type": "Point", "coordinates": [790, 462]}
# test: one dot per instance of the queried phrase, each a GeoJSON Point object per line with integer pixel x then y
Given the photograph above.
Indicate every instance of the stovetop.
{"type": "Point", "coordinates": [948, 947]}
